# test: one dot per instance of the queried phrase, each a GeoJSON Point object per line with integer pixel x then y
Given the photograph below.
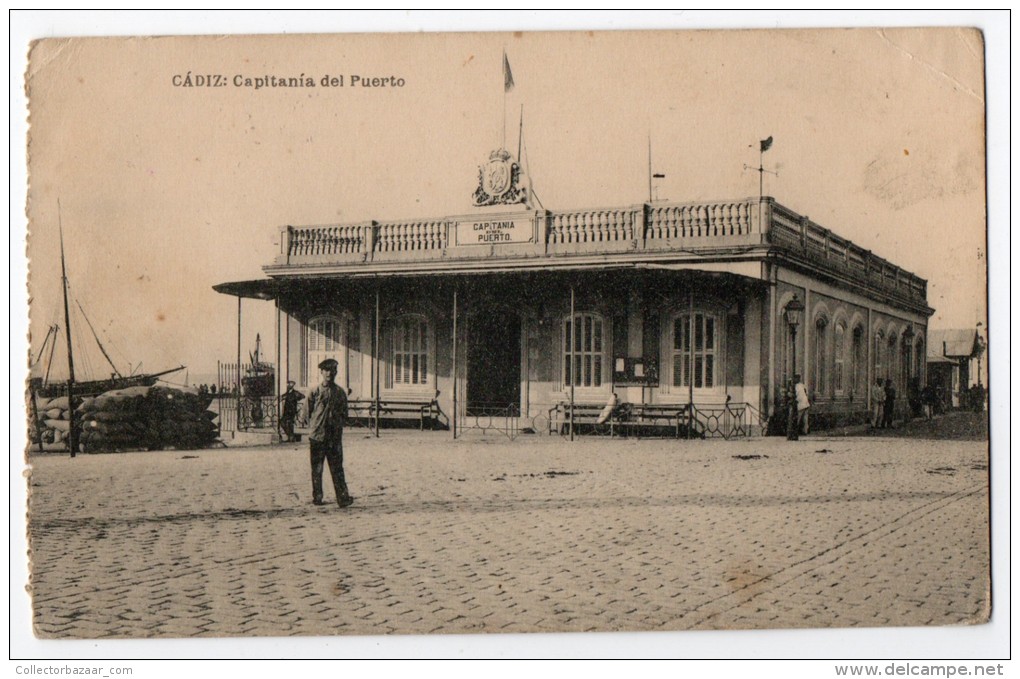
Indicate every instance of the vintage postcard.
{"type": "Point", "coordinates": [492, 333]}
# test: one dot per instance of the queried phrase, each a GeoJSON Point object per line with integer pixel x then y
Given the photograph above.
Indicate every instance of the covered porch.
{"type": "Point", "coordinates": [675, 348]}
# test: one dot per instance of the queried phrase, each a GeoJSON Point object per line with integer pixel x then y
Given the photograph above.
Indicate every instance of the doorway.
{"type": "Point", "coordinates": [494, 361]}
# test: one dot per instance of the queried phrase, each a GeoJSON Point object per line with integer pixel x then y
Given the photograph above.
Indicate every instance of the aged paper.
{"type": "Point", "coordinates": [170, 166]}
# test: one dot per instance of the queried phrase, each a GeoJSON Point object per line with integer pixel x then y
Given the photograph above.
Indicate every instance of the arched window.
{"type": "Point", "coordinates": [820, 359]}
{"type": "Point", "coordinates": [838, 336]}
{"type": "Point", "coordinates": [919, 359]}
{"type": "Point", "coordinates": [407, 345]}
{"type": "Point", "coordinates": [857, 377]}
{"type": "Point", "coordinates": [695, 350]}
{"type": "Point", "coordinates": [324, 338]}
{"type": "Point", "coordinates": [890, 359]}
{"type": "Point", "coordinates": [583, 364]}
{"type": "Point", "coordinates": [878, 352]}
{"type": "Point", "coordinates": [906, 362]}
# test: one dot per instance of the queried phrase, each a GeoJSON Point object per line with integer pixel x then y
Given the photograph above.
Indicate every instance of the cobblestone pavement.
{"type": "Point", "coordinates": [491, 536]}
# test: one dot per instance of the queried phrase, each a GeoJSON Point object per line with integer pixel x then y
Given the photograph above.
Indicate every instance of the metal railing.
{"type": "Point", "coordinates": [495, 418]}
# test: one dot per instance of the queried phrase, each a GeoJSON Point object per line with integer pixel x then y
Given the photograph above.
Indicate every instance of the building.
{"type": "Point", "coordinates": [508, 310]}
{"type": "Point", "coordinates": [951, 353]}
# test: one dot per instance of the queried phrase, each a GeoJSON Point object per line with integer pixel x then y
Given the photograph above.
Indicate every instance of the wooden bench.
{"type": "Point", "coordinates": [586, 414]}
{"type": "Point", "coordinates": [676, 417]}
{"type": "Point", "coordinates": [425, 411]}
{"type": "Point", "coordinates": [625, 417]}
{"type": "Point", "coordinates": [362, 412]}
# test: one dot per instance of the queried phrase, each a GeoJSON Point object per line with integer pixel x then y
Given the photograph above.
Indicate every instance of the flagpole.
{"type": "Point", "coordinates": [503, 65]}
{"type": "Point", "coordinates": [763, 146]}
{"type": "Point", "coordinates": [520, 134]}
{"type": "Point", "coordinates": [649, 167]}
{"type": "Point", "coordinates": [761, 173]}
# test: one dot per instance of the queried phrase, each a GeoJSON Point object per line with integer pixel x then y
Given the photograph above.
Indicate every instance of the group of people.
{"type": "Point", "coordinates": [883, 404]}
{"type": "Point", "coordinates": [327, 414]}
{"type": "Point", "coordinates": [883, 400]}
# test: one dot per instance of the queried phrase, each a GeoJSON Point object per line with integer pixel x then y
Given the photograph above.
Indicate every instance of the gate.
{"type": "Point", "coordinates": [244, 410]}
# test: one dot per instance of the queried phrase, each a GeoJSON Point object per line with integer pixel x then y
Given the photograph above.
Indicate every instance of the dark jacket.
{"type": "Point", "coordinates": [327, 411]}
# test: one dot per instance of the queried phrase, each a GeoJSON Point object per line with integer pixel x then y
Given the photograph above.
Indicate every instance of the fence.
{"type": "Point", "coordinates": [242, 410]}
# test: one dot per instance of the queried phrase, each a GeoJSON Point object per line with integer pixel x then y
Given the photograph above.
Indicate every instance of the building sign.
{"type": "Point", "coordinates": [495, 230]}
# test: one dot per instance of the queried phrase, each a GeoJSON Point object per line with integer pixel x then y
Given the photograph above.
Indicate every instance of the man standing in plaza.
{"type": "Point", "coordinates": [327, 411]}
{"type": "Point", "coordinates": [803, 404]}
{"type": "Point", "coordinates": [889, 406]}
{"type": "Point", "coordinates": [877, 404]}
{"type": "Point", "coordinates": [289, 403]}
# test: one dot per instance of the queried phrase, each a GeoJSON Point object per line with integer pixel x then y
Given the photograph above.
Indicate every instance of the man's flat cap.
{"type": "Point", "coordinates": [329, 364]}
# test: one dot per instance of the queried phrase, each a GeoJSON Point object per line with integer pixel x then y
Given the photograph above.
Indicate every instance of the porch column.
{"type": "Point", "coordinates": [690, 367]}
{"type": "Point", "coordinates": [278, 372]}
{"type": "Point", "coordinates": [570, 354]}
{"type": "Point", "coordinates": [375, 361]}
{"type": "Point", "coordinates": [237, 384]}
{"type": "Point", "coordinates": [453, 416]}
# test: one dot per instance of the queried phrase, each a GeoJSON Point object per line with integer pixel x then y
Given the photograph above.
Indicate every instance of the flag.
{"type": "Point", "coordinates": [766, 144]}
{"type": "Point", "coordinates": [508, 77]}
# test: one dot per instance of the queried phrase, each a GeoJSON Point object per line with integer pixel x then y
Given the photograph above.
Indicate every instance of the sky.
{"type": "Point", "coordinates": [165, 191]}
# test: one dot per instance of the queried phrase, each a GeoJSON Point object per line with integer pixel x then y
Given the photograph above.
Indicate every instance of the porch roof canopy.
{"type": "Point", "coordinates": [274, 288]}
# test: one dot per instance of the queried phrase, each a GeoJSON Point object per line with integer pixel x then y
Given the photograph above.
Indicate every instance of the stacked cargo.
{"type": "Point", "coordinates": [135, 418]}
{"type": "Point", "coordinates": [52, 424]}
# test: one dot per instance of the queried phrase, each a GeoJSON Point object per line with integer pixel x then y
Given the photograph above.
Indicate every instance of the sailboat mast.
{"type": "Point", "coordinates": [73, 432]}
{"type": "Point", "coordinates": [49, 360]}
{"type": "Point", "coordinates": [116, 373]}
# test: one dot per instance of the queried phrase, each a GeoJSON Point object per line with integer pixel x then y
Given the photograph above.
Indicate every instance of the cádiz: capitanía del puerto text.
{"type": "Point", "coordinates": [302, 80]}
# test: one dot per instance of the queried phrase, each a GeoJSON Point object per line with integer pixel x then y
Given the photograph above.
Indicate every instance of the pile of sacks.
{"type": "Point", "coordinates": [144, 418]}
{"type": "Point", "coordinates": [152, 418]}
{"type": "Point", "coordinates": [53, 424]}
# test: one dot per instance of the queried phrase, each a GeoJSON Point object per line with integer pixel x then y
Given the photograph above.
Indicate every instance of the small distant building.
{"type": "Point", "coordinates": [951, 353]}
{"type": "Point", "coordinates": [513, 309]}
